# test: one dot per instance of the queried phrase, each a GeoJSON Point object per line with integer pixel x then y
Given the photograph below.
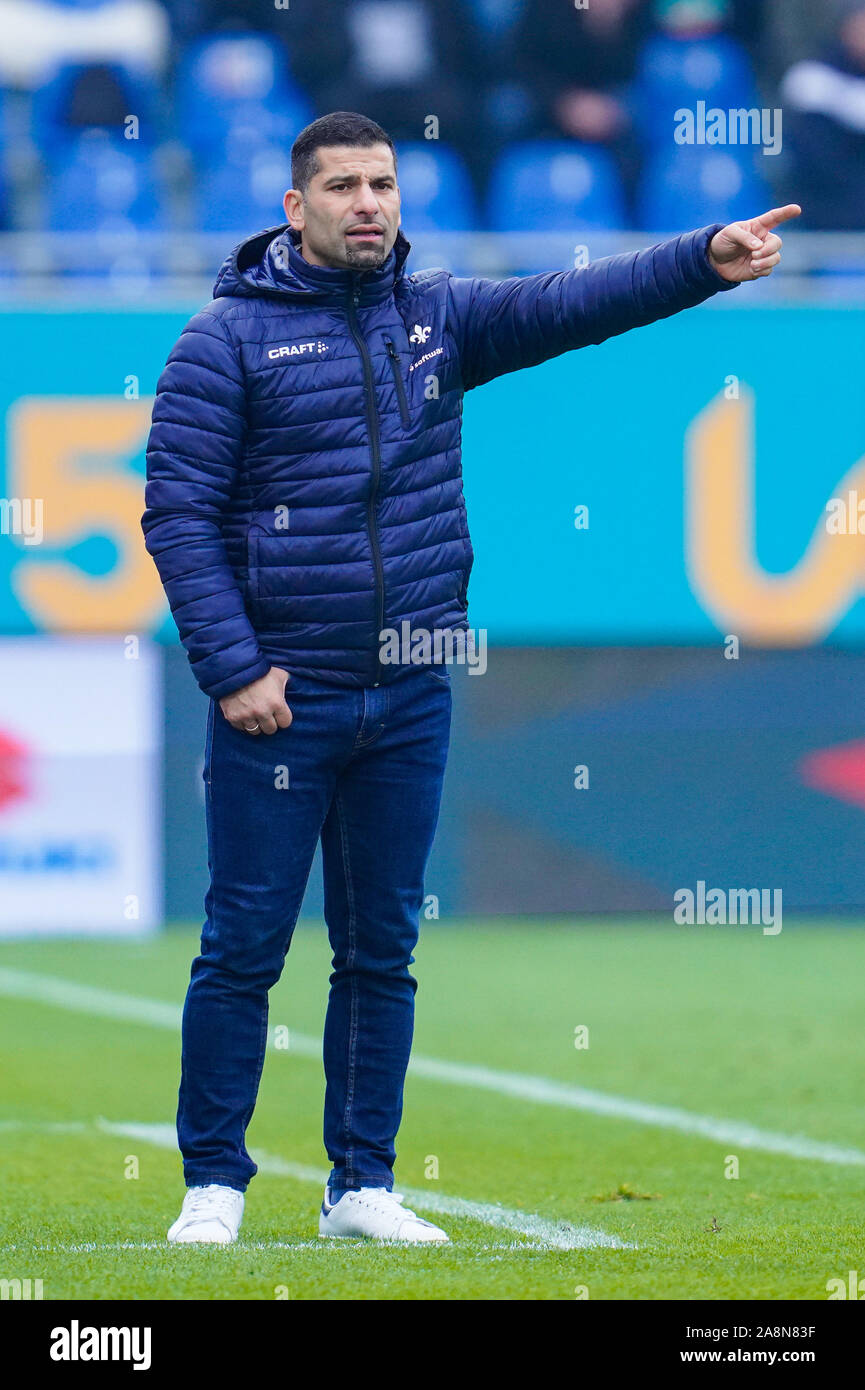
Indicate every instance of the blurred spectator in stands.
{"type": "Point", "coordinates": [694, 56]}
{"type": "Point", "coordinates": [696, 19]}
{"type": "Point", "coordinates": [196, 18]}
{"type": "Point", "coordinates": [398, 61]}
{"type": "Point", "coordinates": [824, 108]}
{"type": "Point", "coordinates": [748, 20]}
{"type": "Point", "coordinates": [695, 59]}
{"type": "Point", "coordinates": [579, 61]}
{"type": "Point", "coordinates": [795, 29]}
{"type": "Point", "coordinates": [506, 105]}
{"type": "Point", "coordinates": [404, 60]}
{"type": "Point", "coordinates": [578, 64]}
{"type": "Point", "coordinates": [740, 22]}
{"type": "Point", "coordinates": [39, 35]}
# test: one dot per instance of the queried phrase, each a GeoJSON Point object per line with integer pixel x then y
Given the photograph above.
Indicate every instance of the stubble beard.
{"type": "Point", "coordinates": [357, 259]}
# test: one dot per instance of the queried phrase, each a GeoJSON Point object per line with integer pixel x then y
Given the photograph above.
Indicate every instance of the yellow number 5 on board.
{"type": "Point", "coordinates": [72, 454]}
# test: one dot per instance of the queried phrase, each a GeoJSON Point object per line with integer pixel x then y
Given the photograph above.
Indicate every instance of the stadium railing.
{"type": "Point", "coordinates": [167, 265]}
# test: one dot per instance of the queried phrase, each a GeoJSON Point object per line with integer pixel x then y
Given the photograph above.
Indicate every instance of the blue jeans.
{"type": "Point", "coordinates": [364, 770]}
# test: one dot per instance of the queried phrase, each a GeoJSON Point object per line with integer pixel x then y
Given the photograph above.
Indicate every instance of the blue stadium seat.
{"type": "Point", "coordinates": [236, 83]}
{"type": "Point", "coordinates": [79, 96]}
{"type": "Point", "coordinates": [244, 194]}
{"type": "Point", "coordinates": [107, 184]}
{"type": "Point", "coordinates": [555, 185]}
{"type": "Point", "coordinates": [435, 188]}
{"type": "Point", "coordinates": [673, 73]}
{"type": "Point", "coordinates": [686, 186]}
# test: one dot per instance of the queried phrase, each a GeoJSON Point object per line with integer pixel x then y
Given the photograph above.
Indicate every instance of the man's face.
{"type": "Point", "coordinates": [348, 217]}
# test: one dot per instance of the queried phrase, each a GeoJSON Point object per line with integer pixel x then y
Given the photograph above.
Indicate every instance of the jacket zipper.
{"type": "Point", "coordinates": [375, 451]}
{"type": "Point", "coordinates": [398, 382]}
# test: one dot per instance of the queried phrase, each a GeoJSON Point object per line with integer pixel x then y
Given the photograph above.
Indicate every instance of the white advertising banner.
{"type": "Point", "coordinates": [80, 756]}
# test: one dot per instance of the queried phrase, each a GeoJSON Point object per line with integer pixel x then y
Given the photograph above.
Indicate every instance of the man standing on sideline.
{"type": "Point", "coordinates": [304, 498]}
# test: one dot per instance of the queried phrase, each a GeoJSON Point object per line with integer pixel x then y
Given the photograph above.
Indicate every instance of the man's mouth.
{"type": "Point", "coordinates": [366, 232]}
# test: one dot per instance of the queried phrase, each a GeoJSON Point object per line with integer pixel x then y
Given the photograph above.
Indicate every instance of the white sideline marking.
{"type": "Point", "coordinates": [104, 1003]}
{"type": "Point", "coordinates": [539, 1090]}
{"type": "Point", "coordinates": [553, 1235]}
{"type": "Point", "coordinates": [545, 1234]}
{"type": "Point", "coordinates": [545, 1092]}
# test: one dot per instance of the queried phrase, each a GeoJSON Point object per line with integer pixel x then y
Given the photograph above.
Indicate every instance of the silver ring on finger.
{"type": "Point", "coordinates": [252, 728]}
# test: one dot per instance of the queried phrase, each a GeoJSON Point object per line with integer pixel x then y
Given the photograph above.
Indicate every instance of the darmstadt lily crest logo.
{"type": "Point", "coordinates": [420, 335]}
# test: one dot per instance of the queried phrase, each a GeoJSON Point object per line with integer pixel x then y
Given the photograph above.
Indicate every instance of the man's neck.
{"type": "Point", "coordinates": [312, 258]}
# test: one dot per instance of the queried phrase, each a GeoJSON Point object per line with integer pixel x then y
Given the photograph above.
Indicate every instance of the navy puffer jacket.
{"type": "Point", "coordinates": [304, 487]}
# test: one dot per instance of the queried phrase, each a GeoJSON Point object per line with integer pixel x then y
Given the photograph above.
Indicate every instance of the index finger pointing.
{"type": "Point", "coordinates": [776, 216]}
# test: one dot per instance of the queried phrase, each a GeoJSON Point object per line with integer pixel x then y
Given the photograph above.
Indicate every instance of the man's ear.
{"type": "Point", "coordinates": [292, 205]}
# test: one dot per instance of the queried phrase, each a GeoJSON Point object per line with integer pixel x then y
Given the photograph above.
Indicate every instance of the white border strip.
{"type": "Point", "coordinates": [539, 1090]}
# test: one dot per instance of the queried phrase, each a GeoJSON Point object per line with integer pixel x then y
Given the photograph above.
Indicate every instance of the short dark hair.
{"type": "Point", "coordinates": [337, 128]}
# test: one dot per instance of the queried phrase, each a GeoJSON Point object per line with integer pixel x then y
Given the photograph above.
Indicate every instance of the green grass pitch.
{"type": "Point", "coordinates": [717, 1022]}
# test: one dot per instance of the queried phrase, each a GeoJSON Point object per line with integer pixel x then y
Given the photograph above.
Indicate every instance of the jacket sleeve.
{"type": "Point", "coordinates": [503, 325]}
{"type": "Point", "coordinates": [193, 456]}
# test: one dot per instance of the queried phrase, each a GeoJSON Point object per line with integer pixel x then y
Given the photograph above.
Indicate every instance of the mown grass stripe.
{"type": "Point", "coordinates": [538, 1090]}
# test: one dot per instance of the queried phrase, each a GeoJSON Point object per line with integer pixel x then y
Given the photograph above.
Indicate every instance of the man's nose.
{"type": "Point", "coordinates": [366, 201]}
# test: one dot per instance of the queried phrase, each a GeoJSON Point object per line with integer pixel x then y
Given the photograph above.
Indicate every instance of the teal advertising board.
{"type": "Point", "coordinates": [668, 486]}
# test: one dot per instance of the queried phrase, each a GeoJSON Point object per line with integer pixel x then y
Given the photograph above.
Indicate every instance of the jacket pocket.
{"type": "Point", "coordinates": [269, 599]}
{"type": "Point", "coordinates": [396, 370]}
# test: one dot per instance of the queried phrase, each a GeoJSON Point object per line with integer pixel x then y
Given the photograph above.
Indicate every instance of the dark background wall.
{"type": "Point", "coordinates": [746, 773]}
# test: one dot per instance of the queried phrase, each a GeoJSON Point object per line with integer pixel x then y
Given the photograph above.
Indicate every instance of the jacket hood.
{"type": "Point", "coordinates": [271, 263]}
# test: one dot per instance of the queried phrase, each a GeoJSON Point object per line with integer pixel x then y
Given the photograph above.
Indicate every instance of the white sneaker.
{"type": "Point", "coordinates": [376, 1213]}
{"type": "Point", "coordinates": [209, 1216]}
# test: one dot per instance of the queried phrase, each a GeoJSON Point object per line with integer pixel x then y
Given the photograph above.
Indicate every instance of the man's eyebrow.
{"type": "Point", "coordinates": [353, 178]}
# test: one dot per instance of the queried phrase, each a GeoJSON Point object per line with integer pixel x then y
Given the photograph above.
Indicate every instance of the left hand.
{"type": "Point", "coordinates": [750, 250]}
